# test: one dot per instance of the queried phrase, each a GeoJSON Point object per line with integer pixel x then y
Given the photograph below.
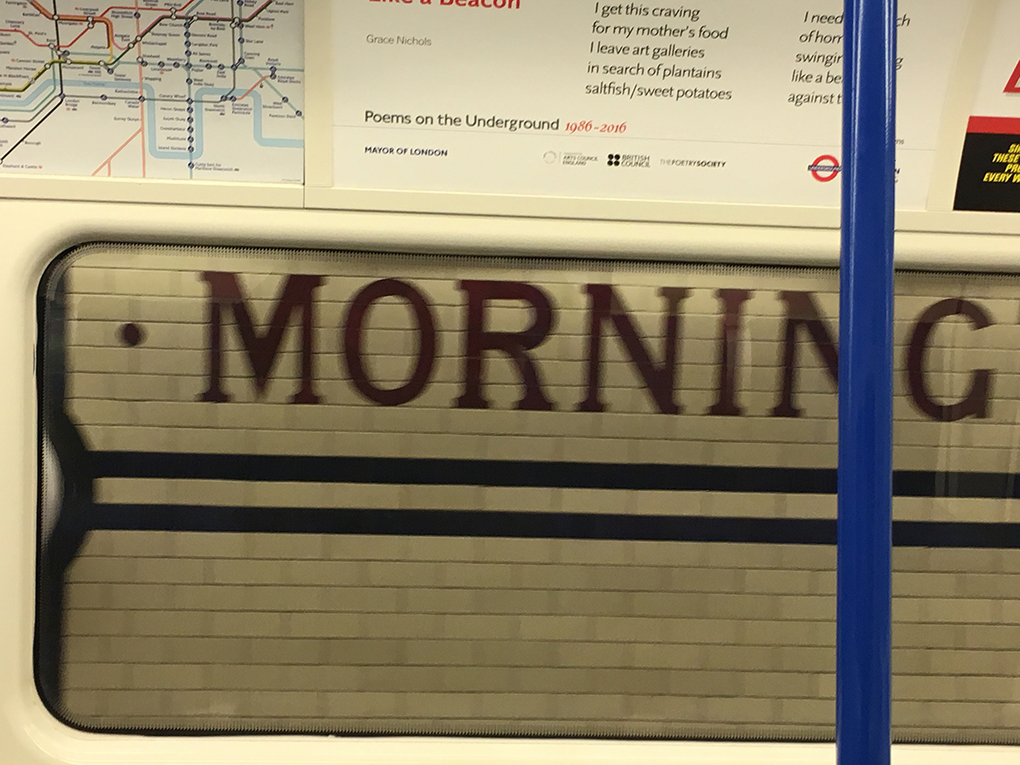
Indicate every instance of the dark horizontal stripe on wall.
{"type": "Point", "coordinates": [928, 483]}
{"type": "Point", "coordinates": [522, 525]}
{"type": "Point", "coordinates": [466, 523]}
{"type": "Point", "coordinates": [534, 474]}
{"type": "Point", "coordinates": [464, 472]}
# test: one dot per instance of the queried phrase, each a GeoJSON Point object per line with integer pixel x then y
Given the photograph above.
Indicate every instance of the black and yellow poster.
{"type": "Point", "coordinates": [989, 178]}
{"type": "Point", "coordinates": [990, 167]}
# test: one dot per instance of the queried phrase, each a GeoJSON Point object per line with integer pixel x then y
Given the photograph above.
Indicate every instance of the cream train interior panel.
{"type": "Point", "coordinates": [508, 469]}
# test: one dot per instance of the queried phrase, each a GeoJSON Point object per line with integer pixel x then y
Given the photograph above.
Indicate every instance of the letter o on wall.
{"type": "Point", "coordinates": [353, 335]}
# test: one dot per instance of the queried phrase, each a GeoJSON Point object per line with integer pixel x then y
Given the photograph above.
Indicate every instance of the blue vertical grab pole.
{"type": "Point", "coordinates": [864, 528]}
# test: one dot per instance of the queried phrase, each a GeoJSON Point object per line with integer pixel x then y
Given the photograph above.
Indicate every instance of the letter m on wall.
{"type": "Point", "coordinates": [261, 347]}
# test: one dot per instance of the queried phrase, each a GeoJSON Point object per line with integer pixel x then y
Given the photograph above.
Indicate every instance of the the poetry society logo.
{"type": "Point", "coordinates": [629, 160]}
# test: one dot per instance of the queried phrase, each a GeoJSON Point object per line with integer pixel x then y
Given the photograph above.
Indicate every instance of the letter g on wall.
{"type": "Point", "coordinates": [976, 401]}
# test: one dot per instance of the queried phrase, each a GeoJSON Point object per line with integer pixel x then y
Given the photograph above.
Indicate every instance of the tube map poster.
{"type": "Point", "coordinates": [203, 89]}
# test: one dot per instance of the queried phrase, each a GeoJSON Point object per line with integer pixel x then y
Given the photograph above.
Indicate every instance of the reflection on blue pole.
{"type": "Point", "coordinates": [864, 531]}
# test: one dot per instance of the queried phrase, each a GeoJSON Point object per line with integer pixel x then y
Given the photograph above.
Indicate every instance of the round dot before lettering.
{"type": "Point", "coordinates": [131, 334]}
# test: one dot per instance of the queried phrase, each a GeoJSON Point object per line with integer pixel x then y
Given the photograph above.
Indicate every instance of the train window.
{"type": "Point", "coordinates": [374, 493]}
